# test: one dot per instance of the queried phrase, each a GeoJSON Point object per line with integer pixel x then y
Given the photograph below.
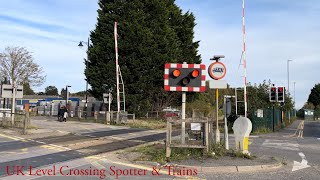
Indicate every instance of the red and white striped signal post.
{"type": "Point", "coordinates": [185, 78]}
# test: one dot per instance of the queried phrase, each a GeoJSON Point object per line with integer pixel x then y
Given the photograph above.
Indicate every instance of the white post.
{"type": "Point", "coordinates": [117, 69]}
{"type": "Point", "coordinates": [109, 109]}
{"type": "Point", "coordinates": [13, 106]}
{"type": "Point", "coordinates": [117, 65]}
{"type": "Point", "coordinates": [244, 60]}
{"type": "Point", "coordinates": [183, 117]}
{"type": "Point", "coordinates": [226, 137]}
{"type": "Point", "coordinates": [236, 96]}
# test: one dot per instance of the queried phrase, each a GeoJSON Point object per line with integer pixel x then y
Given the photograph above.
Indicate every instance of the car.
{"type": "Point", "coordinates": [171, 114]}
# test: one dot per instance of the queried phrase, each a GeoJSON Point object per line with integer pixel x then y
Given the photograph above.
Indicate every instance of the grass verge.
{"type": "Point", "coordinates": [144, 123]}
{"type": "Point", "coordinates": [262, 130]}
{"type": "Point", "coordinates": [157, 153]}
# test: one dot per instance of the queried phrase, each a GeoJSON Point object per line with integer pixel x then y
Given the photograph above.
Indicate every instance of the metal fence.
{"type": "Point", "coordinates": [263, 119]}
{"type": "Point", "coordinates": [74, 109]}
{"type": "Point", "coordinates": [20, 120]}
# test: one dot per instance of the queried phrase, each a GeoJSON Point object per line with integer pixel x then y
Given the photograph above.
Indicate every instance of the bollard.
{"type": "Point", "coordinates": [242, 128]}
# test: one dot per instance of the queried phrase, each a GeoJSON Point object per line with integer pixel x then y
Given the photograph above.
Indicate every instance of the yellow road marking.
{"type": "Point", "coordinates": [57, 148]}
{"type": "Point", "coordinates": [12, 137]}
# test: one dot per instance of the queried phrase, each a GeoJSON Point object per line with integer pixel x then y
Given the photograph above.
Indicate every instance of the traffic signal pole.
{"type": "Point", "coordinates": [183, 118]}
{"type": "Point", "coordinates": [226, 138]}
{"type": "Point", "coordinates": [217, 121]}
{"type": "Point", "coordinates": [272, 117]}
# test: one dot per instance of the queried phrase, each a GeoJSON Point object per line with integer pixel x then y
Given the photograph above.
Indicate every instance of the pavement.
{"type": "Point", "coordinates": [89, 146]}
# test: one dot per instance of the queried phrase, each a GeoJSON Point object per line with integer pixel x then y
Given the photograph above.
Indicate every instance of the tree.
{"type": "Point", "coordinates": [27, 89]}
{"type": "Point", "coordinates": [151, 33]}
{"type": "Point", "coordinates": [80, 93]}
{"type": "Point", "coordinates": [63, 93]}
{"type": "Point", "coordinates": [51, 90]}
{"type": "Point", "coordinates": [314, 98]}
{"type": "Point", "coordinates": [16, 63]}
{"type": "Point", "coordinates": [40, 93]}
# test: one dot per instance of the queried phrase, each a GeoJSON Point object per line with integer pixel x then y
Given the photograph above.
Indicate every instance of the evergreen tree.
{"type": "Point", "coordinates": [314, 98]}
{"type": "Point", "coordinates": [151, 33]}
{"type": "Point", "coordinates": [27, 89]}
{"type": "Point", "coordinates": [63, 93]}
{"type": "Point", "coordinates": [51, 90]}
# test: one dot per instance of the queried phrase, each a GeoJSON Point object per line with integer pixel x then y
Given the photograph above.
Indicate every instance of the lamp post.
{"type": "Point", "coordinates": [294, 98]}
{"type": "Point", "coordinates": [288, 83]}
{"type": "Point", "coordinates": [86, 93]}
{"type": "Point", "coordinates": [67, 96]}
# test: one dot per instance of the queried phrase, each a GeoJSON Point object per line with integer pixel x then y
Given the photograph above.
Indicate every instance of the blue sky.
{"type": "Point", "coordinates": [276, 31]}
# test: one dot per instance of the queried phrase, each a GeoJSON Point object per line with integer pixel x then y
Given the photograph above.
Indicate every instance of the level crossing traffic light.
{"type": "Point", "coordinates": [280, 94]}
{"type": "Point", "coordinates": [273, 94]}
{"type": "Point", "coordinates": [185, 77]}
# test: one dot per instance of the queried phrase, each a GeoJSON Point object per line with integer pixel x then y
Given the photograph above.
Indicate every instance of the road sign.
{"type": "Point", "coordinates": [217, 70]}
{"type": "Point", "coordinates": [7, 91]}
{"type": "Point", "coordinates": [106, 98]}
{"type": "Point", "coordinates": [221, 84]}
{"type": "Point", "coordinates": [185, 77]}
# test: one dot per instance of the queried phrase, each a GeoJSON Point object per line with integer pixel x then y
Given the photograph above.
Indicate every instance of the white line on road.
{"type": "Point", "coordinates": [302, 165]}
{"type": "Point", "coordinates": [281, 144]}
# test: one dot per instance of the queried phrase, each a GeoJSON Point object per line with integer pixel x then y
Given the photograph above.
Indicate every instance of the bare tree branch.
{"type": "Point", "coordinates": [17, 64]}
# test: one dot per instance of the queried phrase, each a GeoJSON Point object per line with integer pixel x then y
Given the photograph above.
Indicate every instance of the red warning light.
{"type": "Point", "coordinates": [273, 89]}
{"type": "Point", "coordinates": [195, 73]}
{"type": "Point", "coordinates": [280, 89]}
{"type": "Point", "coordinates": [176, 73]}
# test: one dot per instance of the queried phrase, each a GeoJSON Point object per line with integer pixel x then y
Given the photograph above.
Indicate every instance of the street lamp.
{"type": "Point", "coordinates": [294, 98]}
{"type": "Point", "coordinates": [88, 45]}
{"type": "Point", "coordinates": [288, 83]}
{"type": "Point", "coordinates": [67, 96]}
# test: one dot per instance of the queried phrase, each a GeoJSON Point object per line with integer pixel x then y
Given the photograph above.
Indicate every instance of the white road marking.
{"type": "Point", "coordinates": [281, 144]}
{"type": "Point", "coordinates": [302, 165]}
{"type": "Point", "coordinates": [318, 138]}
{"type": "Point", "coordinates": [253, 136]}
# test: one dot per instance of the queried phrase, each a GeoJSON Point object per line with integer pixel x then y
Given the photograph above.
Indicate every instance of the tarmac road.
{"type": "Point", "coordinates": [82, 148]}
